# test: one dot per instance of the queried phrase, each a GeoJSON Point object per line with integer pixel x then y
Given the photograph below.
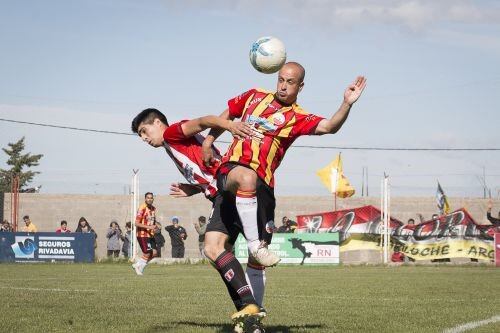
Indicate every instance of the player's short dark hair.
{"type": "Point", "coordinates": [26, 217]}
{"type": "Point", "coordinates": [147, 117]}
{"type": "Point", "coordinates": [202, 218]}
{"type": "Point", "coordinates": [148, 193]}
{"type": "Point", "coordinates": [128, 224]}
{"type": "Point", "coordinates": [64, 222]}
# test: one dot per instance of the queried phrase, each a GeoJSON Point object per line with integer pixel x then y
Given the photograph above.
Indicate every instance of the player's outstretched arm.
{"type": "Point", "coordinates": [237, 129]}
{"type": "Point", "coordinates": [351, 95]}
{"type": "Point", "coordinates": [214, 133]}
{"type": "Point", "coordinates": [179, 190]}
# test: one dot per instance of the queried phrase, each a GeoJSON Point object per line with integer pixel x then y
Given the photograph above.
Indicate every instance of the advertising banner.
{"type": "Point", "coordinates": [46, 246]}
{"type": "Point", "coordinates": [298, 248]}
{"type": "Point", "coordinates": [497, 249]}
{"type": "Point", "coordinates": [455, 235]}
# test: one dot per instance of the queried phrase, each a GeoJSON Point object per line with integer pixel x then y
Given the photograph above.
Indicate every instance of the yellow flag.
{"type": "Point", "coordinates": [333, 178]}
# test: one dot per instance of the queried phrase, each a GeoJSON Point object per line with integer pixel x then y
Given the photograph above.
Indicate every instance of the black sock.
{"type": "Point", "coordinates": [232, 273]}
{"type": "Point", "coordinates": [238, 303]}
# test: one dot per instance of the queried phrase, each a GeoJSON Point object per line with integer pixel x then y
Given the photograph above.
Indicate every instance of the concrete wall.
{"type": "Point", "coordinates": [47, 211]}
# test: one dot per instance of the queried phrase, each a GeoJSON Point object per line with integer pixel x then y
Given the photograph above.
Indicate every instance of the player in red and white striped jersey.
{"type": "Point", "coordinates": [182, 142]}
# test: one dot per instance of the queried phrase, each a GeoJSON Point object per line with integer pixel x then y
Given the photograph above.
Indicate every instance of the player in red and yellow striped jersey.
{"type": "Point", "coordinates": [277, 121]}
{"type": "Point", "coordinates": [145, 226]}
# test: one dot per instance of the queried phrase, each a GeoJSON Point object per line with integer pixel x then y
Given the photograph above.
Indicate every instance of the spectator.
{"type": "Point", "coordinates": [84, 227]}
{"type": "Point", "coordinates": [5, 226]}
{"type": "Point", "coordinates": [288, 226]}
{"type": "Point", "coordinates": [177, 237]}
{"type": "Point", "coordinates": [411, 221]}
{"type": "Point", "coordinates": [29, 227]}
{"type": "Point", "coordinates": [64, 227]}
{"type": "Point", "coordinates": [397, 255]}
{"type": "Point", "coordinates": [201, 228]}
{"type": "Point", "coordinates": [159, 239]}
{"type": "Point", "coordinates": [114, 234]}
{"type": "Point", "coordinates": [494, 221]}
{"type": "Point", "coordinates": [126, 240]}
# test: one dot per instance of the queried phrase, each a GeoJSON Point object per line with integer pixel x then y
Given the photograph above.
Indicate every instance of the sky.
{"type": "Point", "coordinates": [433, 71]}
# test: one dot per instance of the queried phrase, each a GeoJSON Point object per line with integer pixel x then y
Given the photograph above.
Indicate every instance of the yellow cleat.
{"type": "Point", "coordinates": [250, 310]}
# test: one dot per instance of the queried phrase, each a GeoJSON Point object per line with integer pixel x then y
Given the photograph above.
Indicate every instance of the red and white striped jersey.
{"type": "Point", "coordinates": [186, 152]}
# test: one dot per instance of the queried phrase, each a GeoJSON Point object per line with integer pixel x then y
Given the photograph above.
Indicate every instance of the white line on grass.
{"type": "Point", "coordinates": [52, 289]}
{"type": "Point", "coordinates": [472, 325]}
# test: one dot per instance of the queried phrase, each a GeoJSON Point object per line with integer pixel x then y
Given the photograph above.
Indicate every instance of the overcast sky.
{"type": "Point", "coordinates": [433, 70]}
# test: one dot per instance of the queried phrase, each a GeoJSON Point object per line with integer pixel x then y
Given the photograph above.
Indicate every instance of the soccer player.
{"type": "Point", "coordinates": [182, 142]}
{"type": "Point", "coordinates": [145, 226]}
{"type": "Point", "coordinates": [277, 121]}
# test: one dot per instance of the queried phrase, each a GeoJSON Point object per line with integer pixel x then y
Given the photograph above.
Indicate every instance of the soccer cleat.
{"type": "Point", "coordinates": [137, 268]}
{"type": "Point", "coordinates": [265, 257]}
{"type": "Point", "coordinates": [251, 324]}
{"type": "Point", "coordinates": [249, 310]}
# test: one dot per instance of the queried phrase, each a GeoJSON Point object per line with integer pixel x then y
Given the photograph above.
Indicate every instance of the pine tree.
{"type": "Point", "coordinates": [18, 161]}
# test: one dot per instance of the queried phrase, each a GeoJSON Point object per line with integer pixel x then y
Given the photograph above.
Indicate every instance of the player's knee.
{"type": "Point", "coordinates": [210, 251]}
{"type": "Point", "coordinates": [247, 180]}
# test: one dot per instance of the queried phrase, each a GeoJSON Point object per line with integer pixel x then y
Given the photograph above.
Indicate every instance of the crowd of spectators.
{"type": "Point", "coordinates": [119, 241]}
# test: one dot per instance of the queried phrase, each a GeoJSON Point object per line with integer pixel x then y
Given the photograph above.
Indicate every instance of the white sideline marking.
{"type": "Point", "coordinates": [52, 289]}
{"type": "Point", "coordinates": [472, 325]}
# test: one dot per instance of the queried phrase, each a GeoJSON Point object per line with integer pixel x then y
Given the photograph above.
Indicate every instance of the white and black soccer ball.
{"type": "Point", "coordinates": [268, 54]}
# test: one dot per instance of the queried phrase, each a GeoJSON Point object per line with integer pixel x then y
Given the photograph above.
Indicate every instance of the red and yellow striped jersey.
{"type": "Point", "coordinates": [275, 127]}
{"type": "Point", "coordinates": [145, 215]}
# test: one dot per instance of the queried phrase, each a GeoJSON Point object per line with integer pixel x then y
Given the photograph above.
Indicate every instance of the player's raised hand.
{"type": "Point", "coordinates": [240, 130]}
{"type": "Point", "coordinates": [354, 90]}
{"type": "Point", "coordinates": [176, 191]}
{"type": "Point", "coordinates": [179, 190]}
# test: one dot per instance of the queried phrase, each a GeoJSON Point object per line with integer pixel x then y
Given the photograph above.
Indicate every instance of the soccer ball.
{"type": "Point", "coordinates": [268, 55]}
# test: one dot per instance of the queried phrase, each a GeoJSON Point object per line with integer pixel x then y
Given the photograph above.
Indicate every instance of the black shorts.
{"type": "Point", "coordinates": [146, 244]}
{"type": "Point", "coordinates": [225, 218]}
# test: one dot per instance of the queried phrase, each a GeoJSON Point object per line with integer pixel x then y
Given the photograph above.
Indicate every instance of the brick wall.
{"type": "Point", "coordinates": [47, 211]}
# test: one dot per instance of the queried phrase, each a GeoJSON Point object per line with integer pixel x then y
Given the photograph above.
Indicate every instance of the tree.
{"type": "Point", "coordinates": [18, 161]}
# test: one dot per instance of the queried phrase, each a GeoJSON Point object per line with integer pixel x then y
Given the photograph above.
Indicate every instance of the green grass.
{"type": "Point", "coordinates": [109, 297]}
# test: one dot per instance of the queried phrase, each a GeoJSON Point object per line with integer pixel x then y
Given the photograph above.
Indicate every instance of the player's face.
{"type": "Point", "coordinates": [289, 84]}
{"type": "Point", "coordinates": [152, 133]}
{"type": "Point", "coordinates": [149, 199]}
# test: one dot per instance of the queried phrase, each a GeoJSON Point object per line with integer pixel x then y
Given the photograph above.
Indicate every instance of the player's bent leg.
{"type": "Point", "coordinates": [242, 181]}
{"type": "Point", "coordinates": [214, 244]}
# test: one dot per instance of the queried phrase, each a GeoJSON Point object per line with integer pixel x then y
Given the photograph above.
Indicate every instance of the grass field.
{"type": "Point", "coordinates": [190, 298]}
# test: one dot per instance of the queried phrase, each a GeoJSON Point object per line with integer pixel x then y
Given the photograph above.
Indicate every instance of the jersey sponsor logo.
{"type": "Point", "coordinates": [229, 275]}
{"type": "Point", "coordinates": [274, 107]}
{"type": "Point", "coordinates": [262, 123]}
{"type": "Point", "coordinates": [311, 117]}
{"type": "Point", "coordinates": [255, 100]}
{"type": "Point", "coordinates": [278, 119]}
{"type": "Point", "coordinates": [189, 173]}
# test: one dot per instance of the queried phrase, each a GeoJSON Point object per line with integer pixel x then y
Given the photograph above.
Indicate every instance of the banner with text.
{"type": "Point", "coordinates": [46, 246]}
{"type": "Point", "coordinates": [298, 248]}
{"type": "Point", "coordinates": [455, 235]}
